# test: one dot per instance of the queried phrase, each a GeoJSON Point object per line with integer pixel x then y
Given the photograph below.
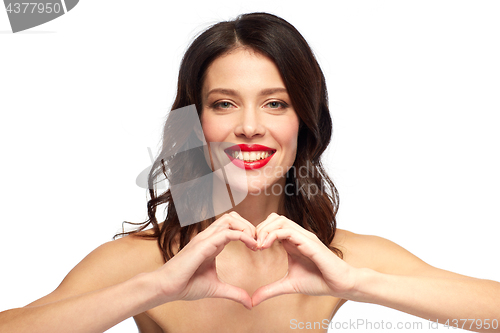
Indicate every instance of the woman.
{"type": "Point", "coordinates": [254, 81]}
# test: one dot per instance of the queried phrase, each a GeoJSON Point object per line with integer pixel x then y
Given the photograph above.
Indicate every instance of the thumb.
{"type": "Point", "coordinates": [225, 290]}
{"type": "Point", "coordinates": [277, 288]}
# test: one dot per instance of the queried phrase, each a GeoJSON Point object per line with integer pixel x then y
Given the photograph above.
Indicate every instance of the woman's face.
{"type": "Point", "coordinates": [245, 104]}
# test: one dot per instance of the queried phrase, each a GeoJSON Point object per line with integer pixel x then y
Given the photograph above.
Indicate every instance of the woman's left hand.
{"type": "Point", "coordinates": [313, 269]}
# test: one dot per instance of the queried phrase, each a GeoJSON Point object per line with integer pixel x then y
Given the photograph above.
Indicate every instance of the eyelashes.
{"type": "Point", "coordinates": [275, 105]}
{"type": "Point", "coordinates": [282, 104]}
{"type": "Point", "coordinates": [222, 105]}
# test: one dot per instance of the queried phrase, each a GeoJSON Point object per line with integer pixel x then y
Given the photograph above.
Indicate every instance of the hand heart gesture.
{"type": "Point", "coordinates": [313, 269]}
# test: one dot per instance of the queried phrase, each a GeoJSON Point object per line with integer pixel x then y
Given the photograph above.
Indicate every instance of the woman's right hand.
{"type": "Point", "coordinates": [191, 274]}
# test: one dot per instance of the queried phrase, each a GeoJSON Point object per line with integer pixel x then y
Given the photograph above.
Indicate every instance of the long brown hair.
{"type": "Point", "coordinates": [274, 37]}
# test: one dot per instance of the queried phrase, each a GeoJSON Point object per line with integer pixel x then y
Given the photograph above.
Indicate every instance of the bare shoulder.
{"type": "Point", "coordinates": [383, 255]}
{"type": "Point", "coordinates": [371, 251]}
{"type": "Point", "coordinates": [109, 264]}
{"type": "Point", "coordinates": [119, 260]}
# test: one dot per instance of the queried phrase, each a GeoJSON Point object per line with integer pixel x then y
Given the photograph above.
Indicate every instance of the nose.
{"type": "Point", "coordinates": [250, 124]}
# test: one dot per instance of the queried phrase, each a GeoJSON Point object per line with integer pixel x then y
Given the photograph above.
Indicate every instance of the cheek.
{"type": "Point", "coordinates": [211, 129]}
{"type": "Point", "coordinates": [286, 133]}
{"type": "Point", "coordinates": [293, 146]}
{"type": "Point", "coordinates": [289, 133]}
{"type": "Point", "coordinates": [217, 128]}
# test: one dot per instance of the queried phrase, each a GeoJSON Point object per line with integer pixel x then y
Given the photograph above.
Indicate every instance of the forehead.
{"type": "Point", "coordinates": [244, 70]}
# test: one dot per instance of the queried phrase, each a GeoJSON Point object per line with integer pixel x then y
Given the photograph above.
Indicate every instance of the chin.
{"type": "Point", "coordinates": [266, 187]}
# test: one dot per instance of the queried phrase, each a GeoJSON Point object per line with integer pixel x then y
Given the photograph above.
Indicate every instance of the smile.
{"type": "Point", "coordinates": [247, 156]}
{"type": "Point", "coordinates": [251, 156]}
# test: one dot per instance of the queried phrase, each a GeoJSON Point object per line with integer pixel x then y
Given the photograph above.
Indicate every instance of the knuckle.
{"type": "Point", "coordinates": [224, 218]}
{"type": "Point", "coordinates": [282, 222]}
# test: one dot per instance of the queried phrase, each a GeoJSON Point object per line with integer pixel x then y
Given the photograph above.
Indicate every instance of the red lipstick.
{"type": "Point", "coordinates": [248, 148]}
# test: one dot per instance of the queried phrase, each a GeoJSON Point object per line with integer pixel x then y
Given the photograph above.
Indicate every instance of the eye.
{"type": "Point", "coordinates": [276, 105]}
{"type": "Point", "coordinates": [222, 105]}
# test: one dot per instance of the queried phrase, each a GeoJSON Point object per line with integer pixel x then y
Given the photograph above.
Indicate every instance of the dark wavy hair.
{"type": "Point", "coordinates": [277, 39]}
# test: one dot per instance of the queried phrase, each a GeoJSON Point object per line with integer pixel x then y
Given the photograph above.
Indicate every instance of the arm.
{"type": "Point", "coordinates": [400, 280]}
{"type": "Point", "coordinates": [117, 281]}
{"type": "Point", "coordinates": [471, 304]}
{"type": "Point", "coordinates": [94, 311]}
{"type": "Point", "coordinates": [106, 287]}
{"type": "Point", "coordinates": [377, 271]}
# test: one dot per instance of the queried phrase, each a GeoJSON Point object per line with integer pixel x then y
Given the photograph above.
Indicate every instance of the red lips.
{"type": "Point", "coordinates": [249, 147]}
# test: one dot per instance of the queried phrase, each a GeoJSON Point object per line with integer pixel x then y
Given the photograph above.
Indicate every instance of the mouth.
{"type": "Point", "coordinates": [249, 156]}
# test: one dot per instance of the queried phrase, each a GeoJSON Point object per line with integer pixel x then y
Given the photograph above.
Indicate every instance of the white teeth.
{"type": "Point", "coordinates": [250, 156]}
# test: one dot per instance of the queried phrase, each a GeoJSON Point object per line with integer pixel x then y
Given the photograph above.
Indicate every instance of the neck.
{"type": "Point", "coordinates": [255, 207]}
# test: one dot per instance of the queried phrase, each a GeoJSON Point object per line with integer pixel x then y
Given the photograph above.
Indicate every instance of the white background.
{"type": "Point", "coordinates": [414, 95]}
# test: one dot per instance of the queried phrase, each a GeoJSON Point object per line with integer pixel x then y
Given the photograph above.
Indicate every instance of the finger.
{"type": "Point", "coordinates": [222, 223]}
{"type": "Point", "coordinates": [210, 247]}
{"type": "Point", "coordinates": [239, 217]}
{"type": "Point", "coordinates": [221, 239]}
{"type": "Point", "coordinates": [280, 222]}
{"type": "Point", "coordinates": [260, 234]}
{"type": "Point", "coordinates": [236, 294]}
{"type": "Point", "coordinates": [277, 288]}
{"type": "Point", "coordinates": [270, 218]}
{"type": "Point", "coordinates": [275, 221]}
{"type": "Point", "coordinates": [313, 249]}
{"type": "Point", "coordinates": [232, 221]}
{"type": "Point", "coordinates": [304, 244]}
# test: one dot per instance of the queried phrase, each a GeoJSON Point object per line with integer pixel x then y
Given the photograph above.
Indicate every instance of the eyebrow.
{"type": "Point", "coordinates": [232, 92]}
